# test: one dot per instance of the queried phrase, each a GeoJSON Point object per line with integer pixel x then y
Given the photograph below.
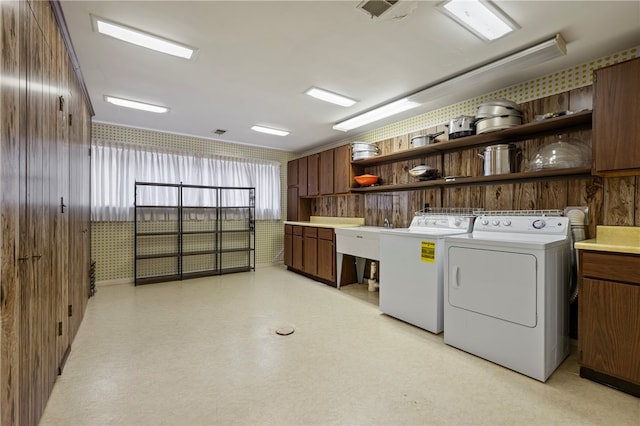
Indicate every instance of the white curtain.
{"type": "Point", "coordinates": [115, 168]}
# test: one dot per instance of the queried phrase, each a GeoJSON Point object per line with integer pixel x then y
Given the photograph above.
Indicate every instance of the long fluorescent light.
{"type": "Point", "coordinates": [493, 74]}
{"type": "Point", "coordinates": [140, 38]}
{"type": "Point", "coordinates": [384, 111]}
{"type": "Point", "coordinates": [269, 130]}
{"type": "Point", "coordinates": [481, 17]}
{"type": "Point", "coordinates": [135, 105]}
{"type": "Point", "coordinates": [327, 96]}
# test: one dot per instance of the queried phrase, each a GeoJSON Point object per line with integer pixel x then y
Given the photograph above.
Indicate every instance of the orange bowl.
{"type": "Point", "coordinates": [366, 180]}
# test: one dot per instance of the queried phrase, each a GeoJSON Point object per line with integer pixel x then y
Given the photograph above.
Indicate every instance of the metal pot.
{"type": "Point", "coordinates": [424, 140]}
{"type": "Point", "coordinates": [489, 111]}
{"type": "Point", "coordinates": [501, 159]}
{"type": "Point", "coordinates": [462, 126]}
{"type": "Point", "coordinates": [497, 123]}
{"type": "Point", "coordinates": [423, 172]}
{"type": "Point", "coordinates": [363, 146]}
{"type": "Point", "coordinates": [363, 150]}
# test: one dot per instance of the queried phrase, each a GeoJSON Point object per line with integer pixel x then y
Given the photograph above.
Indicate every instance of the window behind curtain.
{"type": "Point", "coordinates": [115, 168]}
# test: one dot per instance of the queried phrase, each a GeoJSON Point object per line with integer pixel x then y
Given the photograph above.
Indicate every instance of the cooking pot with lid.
{"type": "Point", "coordinates": [500, 159]}
{"type": "Point", "coordinates": [462, 126]}
{"type": "Point", "coordinates": [424, 140]}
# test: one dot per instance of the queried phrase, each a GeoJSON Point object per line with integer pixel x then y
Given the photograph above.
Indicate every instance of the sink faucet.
{"type": "Point", "coordinates": [386, 223]}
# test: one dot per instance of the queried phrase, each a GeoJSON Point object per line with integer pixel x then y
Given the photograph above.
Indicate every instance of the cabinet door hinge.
{"type": "Point", "coordinates": [70, 119]}
{"type": "Point", "coordinates": [70, 311]}
{"type": "Point", "coordinates": [60, 103]}
{"type": "Point", "coordinates": [62, 205]}
{"type": "Point", "coordinates": [59, 328]}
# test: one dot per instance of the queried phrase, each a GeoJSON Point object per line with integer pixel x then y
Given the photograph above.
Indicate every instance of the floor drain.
{"type": "Point", "coordinates": [285, 331]}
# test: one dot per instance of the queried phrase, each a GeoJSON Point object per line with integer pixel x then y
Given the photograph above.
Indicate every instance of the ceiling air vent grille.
{"type": "Point", "coordinates": [219, 131]}
{"type": "Point", "coordinates": [375, 8]}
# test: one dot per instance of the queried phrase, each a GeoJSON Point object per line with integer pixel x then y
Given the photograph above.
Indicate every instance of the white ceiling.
{"type": "Point", "coordinates": [256, 59]}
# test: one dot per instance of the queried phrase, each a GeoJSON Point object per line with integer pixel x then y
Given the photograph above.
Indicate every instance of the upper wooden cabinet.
{"type": "Point", "coordinates": [343, 170]}
{"type": "Point", "coordinates": [326, 172]}
{"type": "Point", "coordinates": [302, 176]}
{"type": "Point", "coordinates": [292, 173]}
{"type": "Point", "coordinates": [616, 127]}
{"type": "Point", "coordinates": [313, 183]}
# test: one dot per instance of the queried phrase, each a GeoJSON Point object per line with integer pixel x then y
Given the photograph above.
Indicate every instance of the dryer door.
{"type": "Point", "coordinates": [495, 283]}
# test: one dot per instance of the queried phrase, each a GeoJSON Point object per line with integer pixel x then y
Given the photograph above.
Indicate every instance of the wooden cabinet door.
{"type": "Point", "coordinates": [609, 328]}
{"type": "Point", "coordinates": [313, 162]}
{"type": "Point", "coordinates": [292, 173]}
{"type": "Point", "coordinates": [296, 254]}
{"type": "Point", "coordinates": [310, 250]}
{"type": "Point", "coordinates": [292, 203]}
{"type": "Point", "coordinates": [288, 245]}
{"type": "Point", "coordinates": [326, 172]}
{"type": "Point", "coordinates": [302, 176]}
{"type": "Point", "coordinates": [342, 175]}
{"type": "Point", "coordinates": [616, 127]}
{"type": "Point", "coordinates": [326, 255]}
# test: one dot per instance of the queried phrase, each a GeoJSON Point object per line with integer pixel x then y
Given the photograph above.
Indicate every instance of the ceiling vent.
{"type": "Point", "coordinates": [219, 131]}
{"type": "Point", "coordinates": [387, 10]}
{"type": "Point", "coordinates": [376, 8]}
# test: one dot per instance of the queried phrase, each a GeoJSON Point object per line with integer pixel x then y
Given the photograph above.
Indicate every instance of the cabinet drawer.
{"type": "Point", "coordinates": [310, 232]}
{"type": "Point", "coordinates": [297, 230]}
{"type": "Point", "coordinates": [325, 234]}
{"type": "Point", "coordinates": [615, 267]}
{"type": "Point", "coordinates": [288, 229]}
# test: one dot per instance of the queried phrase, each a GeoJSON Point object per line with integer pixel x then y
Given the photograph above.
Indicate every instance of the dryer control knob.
{"type": "Point", "coordinates": [496, 222]}
{"type": "Point", "coordinates": [457, 222]}
{"type": "Point", "coordinates": [485, 222]}
{"type": "Point", "coordinates": [506, 222]}
{"type": "Point", "coordinates": [539, 224]}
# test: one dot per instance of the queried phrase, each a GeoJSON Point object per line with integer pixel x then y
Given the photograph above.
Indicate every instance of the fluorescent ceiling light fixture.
{"type": "Point", "coordinates": [481, 17]}
{"type": "Point", "coordinates": [493, 73]}
{"type": "Point", "coordinates": [269, 130]}
{"type": "Point", "coordinates": [140, 38]}
{"type": "Point", "coordinates": [135, 105]}
{"type": "Point", "coordinates": [384, 111]}
{"type": "Point", "coordinates": [334, 98]}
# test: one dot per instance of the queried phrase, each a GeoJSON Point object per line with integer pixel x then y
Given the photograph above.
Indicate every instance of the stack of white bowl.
{"type": "Point", "coordinates": [497, 114]}
{"type": "Point", "coordinates": [363, 150]}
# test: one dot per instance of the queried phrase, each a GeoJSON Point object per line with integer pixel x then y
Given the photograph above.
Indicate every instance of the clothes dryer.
{"type": "Point", "coordinates": [506, 290]}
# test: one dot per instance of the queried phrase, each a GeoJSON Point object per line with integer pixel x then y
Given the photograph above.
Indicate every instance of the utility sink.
{"type": "Point", "coordinates": [363, 242]}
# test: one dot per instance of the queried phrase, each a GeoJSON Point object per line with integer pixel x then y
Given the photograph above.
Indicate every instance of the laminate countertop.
{"type": "Point", "coordinates": [621, 239]}
{"type": "Point", "coordinates": [329, 222]}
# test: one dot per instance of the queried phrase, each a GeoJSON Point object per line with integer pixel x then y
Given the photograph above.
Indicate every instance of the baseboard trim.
{"type": "Point", "coordinates": [114, 282]}
{"type": "Point", "coordinates": [121, 281]}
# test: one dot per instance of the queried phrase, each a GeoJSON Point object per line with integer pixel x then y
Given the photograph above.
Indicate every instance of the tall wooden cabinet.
{"type": "Point", "coordinates": [45, 123]}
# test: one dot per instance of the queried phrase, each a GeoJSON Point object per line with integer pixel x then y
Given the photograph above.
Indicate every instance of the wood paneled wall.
{"type": "Point", "coordinates": [45, 257]}
{"type": "Point", "coordinates": [611, 201]}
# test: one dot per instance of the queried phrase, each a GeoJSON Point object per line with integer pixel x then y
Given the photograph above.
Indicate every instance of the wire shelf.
{"type": "Point", "coordinates": [447, 211]}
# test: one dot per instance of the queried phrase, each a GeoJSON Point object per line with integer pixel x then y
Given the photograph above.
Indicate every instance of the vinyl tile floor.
{"type": "Point", "coordinates": [206, 352]}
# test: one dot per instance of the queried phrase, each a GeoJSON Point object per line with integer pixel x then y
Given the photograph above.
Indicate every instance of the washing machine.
{"type": "Point", "coordinates": [411, 267]}
{"type": "Point", "coordinates": [506, 290]}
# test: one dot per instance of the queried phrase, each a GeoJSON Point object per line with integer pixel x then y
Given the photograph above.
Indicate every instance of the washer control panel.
{"type": "Point", "coordinates": [441, 222]}
{"type": "Point", "coordinates": [523, 224]}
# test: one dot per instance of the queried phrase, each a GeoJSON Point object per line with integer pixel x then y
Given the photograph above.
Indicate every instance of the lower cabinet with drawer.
{"type": "Point", "coordinates": [311, 251]}
{"type": "Point", "coordinates": [609, 319]}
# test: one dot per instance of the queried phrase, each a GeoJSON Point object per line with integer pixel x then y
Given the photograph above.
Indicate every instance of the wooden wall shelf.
{"type": "Point", "coordinates": [480, 180]}
{"type": "Point", "coordinates": [561, 124]}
